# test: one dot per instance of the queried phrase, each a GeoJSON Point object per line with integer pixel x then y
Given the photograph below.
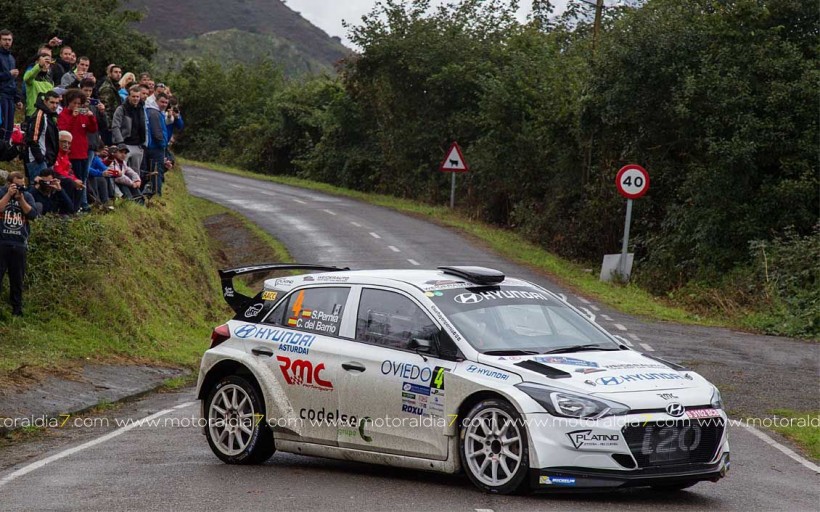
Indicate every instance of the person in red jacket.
{"type": "Point", "coordinates": [62, 169]}
{"type": "Point", "coordinates": [77, 119]}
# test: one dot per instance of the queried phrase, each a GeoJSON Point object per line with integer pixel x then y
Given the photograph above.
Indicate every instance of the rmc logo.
{"type": "Point", "coordinates": [468, 298]}
{"type": "Point", "coordinates": [302, 372]}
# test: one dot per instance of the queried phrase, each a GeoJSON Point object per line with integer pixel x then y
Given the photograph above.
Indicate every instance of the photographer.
{"type": "Point", "coordinates": [17, 208]}
{"type": "Point", "coordinates": [78, 119]}
{"type": "Point", "coordinates": [49, 196]}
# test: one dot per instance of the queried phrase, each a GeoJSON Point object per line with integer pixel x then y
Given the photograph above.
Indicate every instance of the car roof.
{"type": "Point", "coordinates": [423, 279]}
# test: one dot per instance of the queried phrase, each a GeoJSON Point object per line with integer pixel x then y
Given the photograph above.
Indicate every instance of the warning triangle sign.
{"type": "Point", "coordinates": [454, 161]}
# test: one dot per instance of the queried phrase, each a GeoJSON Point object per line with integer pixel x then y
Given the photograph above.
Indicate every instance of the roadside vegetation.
{"type": "Point", "coordinates": [716, 99]}
{"type": "Point", "coordinates": [804, 429]}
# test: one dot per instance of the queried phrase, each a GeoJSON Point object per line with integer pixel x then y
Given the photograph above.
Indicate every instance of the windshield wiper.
{"type": "Point", "coordinates": [511, 352]}
{"type": "Point", "coordinates": [579, 348]}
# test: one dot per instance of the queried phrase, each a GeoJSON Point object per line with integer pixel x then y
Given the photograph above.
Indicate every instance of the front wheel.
{"type": "Point", "coordinates": [236, 431]}
{"type": "Point", "coordinates": [493, 447]}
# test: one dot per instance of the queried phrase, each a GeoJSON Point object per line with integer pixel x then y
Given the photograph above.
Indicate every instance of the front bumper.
{"type": "Point", "coordinates": [568, 478]}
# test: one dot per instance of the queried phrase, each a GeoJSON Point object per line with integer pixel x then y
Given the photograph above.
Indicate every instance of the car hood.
{"type": "Point", "coordinates": [598, 372]}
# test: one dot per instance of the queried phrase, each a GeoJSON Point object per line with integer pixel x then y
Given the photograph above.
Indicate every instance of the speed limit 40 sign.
{"type": "Point", "coordinates": [632, 181]}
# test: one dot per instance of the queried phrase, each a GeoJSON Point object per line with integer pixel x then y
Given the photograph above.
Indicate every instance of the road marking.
{"type": "Point", "coordinates": [620, 327]}
{"type": "Point", "coordinates": [594, 307]}
{"type": "Point", "coordinates": [628, 343]}
{"type": "Point", "coordinates": [329, 212]}
{"type": "Point", "coordinates": [634, 337]}
{"type": "Point", "coordinates": [299, 201]}
{"type": "Point", "coordinates": [183, 406]}
{"type": "Point", "coordinates": [647, 347]}
{"type": "Point", "coordinates": [393, 248]}
{"type": "Point", "coordinates": [356, 224]}
{"type": "Point", "coordinates": [771, 442]}
{"type": "Point", "coordinates": [484, 510]}
{"type": "Point", "coordinates": [414, 262]}
{"type": "Point", "coordinates": [607, 318]}
{"type": "Point", "coordinates": [589, 313]}
{"type": "Point", "coordinates": [71, 451]}
{"type": "Point", "coordinates": [235, 186]}
{"type": "Point", "coordinates": [582, 300]}
{"type": "Point", "coordinates": [374, 235]}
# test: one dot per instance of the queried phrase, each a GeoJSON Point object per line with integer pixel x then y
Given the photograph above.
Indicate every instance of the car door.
{"type": "Point", "coordinates": [392, 397]}
{"type": "Point", "coordinates": [298, 339]}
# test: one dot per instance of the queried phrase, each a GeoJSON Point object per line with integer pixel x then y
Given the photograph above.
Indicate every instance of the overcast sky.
{"type": "Point", "coordinates": [328, 14]}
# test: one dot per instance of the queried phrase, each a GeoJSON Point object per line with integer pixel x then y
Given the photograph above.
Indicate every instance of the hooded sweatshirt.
{"type": "Point", "coordinates": [42, 135]}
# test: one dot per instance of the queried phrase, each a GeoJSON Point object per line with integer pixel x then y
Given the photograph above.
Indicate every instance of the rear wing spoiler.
{"type": "Point", "coordinates": [237, 301]}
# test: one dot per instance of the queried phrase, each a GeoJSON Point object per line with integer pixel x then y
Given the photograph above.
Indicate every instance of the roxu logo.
{"type": "Point", "coordinates": [301, 372]}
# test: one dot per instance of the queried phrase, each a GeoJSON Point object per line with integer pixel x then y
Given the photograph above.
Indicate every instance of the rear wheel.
{"type": "Point", "coordinates": [493, 447]}
{"type": "Point", "coordinates": [236, 431]}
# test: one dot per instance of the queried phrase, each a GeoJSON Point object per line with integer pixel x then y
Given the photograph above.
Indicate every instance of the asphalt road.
{"type": "Point", "coordinates": [168, 466]}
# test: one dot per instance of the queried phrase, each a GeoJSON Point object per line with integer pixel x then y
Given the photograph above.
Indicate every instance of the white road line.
{"type": "Point", "coordinates": [628, 343]}
{"type": "Point", "coordinates": [771, 442]}
{"type": "Point", "coordinates": [393, 248]}
{"type": "Point", "coordinates": [183, 406]}
{"type": "Point", "coordinates": [593, 307]}
{"type": "Point", "coordinates": [356, 224]}
{"type": "Point", "coordinates": [634, 337]}
{"type": "Point", "coordinates": [589, 313]}
{"type": "Point", "coordinates": [299, 201]}
{"type": "Point", "coordinates": [607, 318]}
{"type": "Point", "coordinates": [65, 453]}
{"type": "Point", "coordinates": [414, 262]}
{"type": "Point", "coordinates": [582, 300]}
{"type": "Point", "coordinates": [235, 186]}
{"type": "Point", "coordinates": [374, 235]}
{"type": "Point", "coordinates": [329, 212]}
{"type": "Point", "coordinates": [483, 510]}
{"type": "Point", "coordinates": [620, 327]}
{"type": "Point", "coordinates": [647, 347]}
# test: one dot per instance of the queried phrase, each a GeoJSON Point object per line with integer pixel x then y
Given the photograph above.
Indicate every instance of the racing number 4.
{"type": "Point", "coordinates": [438, 380]}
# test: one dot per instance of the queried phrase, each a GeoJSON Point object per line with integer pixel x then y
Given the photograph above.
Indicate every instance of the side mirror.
{"type": "Point", "coordinates": [420, 345]}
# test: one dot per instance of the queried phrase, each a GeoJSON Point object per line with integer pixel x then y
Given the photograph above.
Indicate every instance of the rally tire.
{"type": "Point", "coordinates": [236, 430]}
{"type": "Point", "coordinates": [493, 447]}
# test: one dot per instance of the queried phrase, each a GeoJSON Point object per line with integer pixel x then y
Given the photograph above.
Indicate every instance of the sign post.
{"type": "Point", "coordinates": [632, 182]}
{"type": "Point", "coordinates": [454, 162]}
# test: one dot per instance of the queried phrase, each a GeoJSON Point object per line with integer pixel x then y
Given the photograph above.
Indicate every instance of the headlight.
{"type": "Point", "coordinates": [570, 405]}
{"type": "Point", "coordinates": [717, 401]}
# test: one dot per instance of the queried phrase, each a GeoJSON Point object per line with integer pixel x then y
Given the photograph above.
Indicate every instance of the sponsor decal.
{"type": "Point", "coordinates": [347, 425]}
{"type": "Point", "coordinates": [438, 377]}
{"type": "Point", "coordinates": [333, 279]}
{"type": "Point", "coordinates": [283, 282]}
{"type": "Point", "coordinates": [253, 311]}
{"type": "Point", "coordinates": [556, 480]}
{"type": "Point", "coordinates": [475, 298]}
{"type": "Point", "coordinates": [668, 396]}
{"type": "Point", "coordinates": [570, 361]}
{"type": "Point", "coordinates": [429, 294]}
{"type": "Point", "coordinates": [445, 322]}
{"type": "Point", "coordinates": [410, 396]}
{"type": "Point", "coordinates": [407, 371]}
{"type": "Point", "coordinates": [295, 342]}
{"type": "Point", "coordinates": [510, 358]}
{"type": "Point", "coordinates": [585, 438]}
{"type": "Point", "coordinates": [445, 284]}
{"type": "Point", "coordinates": [409, 387]}
{"type": "Point", "coordinates": [636, 366]}
{"type": "Point", "coordinates": [308, 278]}
{"type": "Point", "coordinates": [587, 371]}
{"type": "Point", "coordinates": [228, 291]}
{"type": "Point", "coordinates": [245, 331]}
{"type": "Point", "coordinates": [486, 372]}
{"type": "Point", "coordinates": [412, 409]}
{"type": "Point", "coordinates": [674, 409]}
{"type": "Point", "coordinates": [268, 295]}
{"type": "Point", "coordinates": [301, 372]}
{"type": "Point", "coordinates": [589, 382]}
{"type": "Point", "coordinates": [702, 413]}
{"type": "Point", "coordinates": [636, 377]}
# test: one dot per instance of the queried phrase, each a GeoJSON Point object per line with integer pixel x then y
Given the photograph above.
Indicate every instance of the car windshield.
{"type": "Point", "coordinates": [516, 320]}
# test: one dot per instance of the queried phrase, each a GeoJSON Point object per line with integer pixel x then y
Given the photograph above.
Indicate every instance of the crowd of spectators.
{"type": "Point", "coordinates": [84, 141]}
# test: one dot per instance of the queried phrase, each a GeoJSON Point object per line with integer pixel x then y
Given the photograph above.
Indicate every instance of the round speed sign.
{"type": "Point", "coordinates": [632, 181]}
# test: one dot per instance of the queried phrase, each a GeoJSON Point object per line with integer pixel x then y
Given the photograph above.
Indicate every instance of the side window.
{"type": "Point", "coordinates": [317, 310]}
{"type": "Point", "coordinates": [390, 319]}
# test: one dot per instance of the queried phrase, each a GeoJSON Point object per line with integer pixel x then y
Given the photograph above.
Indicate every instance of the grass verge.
{"type": "Point", "coordinates": [134, 286]}
{"type": "Point", "coordinates": [802, 428]}
{"type": "Point", "coordinates": [629, 299]}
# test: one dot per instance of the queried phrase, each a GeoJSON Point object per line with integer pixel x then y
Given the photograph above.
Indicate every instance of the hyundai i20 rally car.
{"type": "Point", "coordinates": [455, 369]}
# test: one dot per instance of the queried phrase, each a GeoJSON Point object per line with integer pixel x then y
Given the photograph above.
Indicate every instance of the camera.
{"type": "Point", "coordinates": [82, 110]}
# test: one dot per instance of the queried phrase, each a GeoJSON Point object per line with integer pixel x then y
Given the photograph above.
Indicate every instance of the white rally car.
{"type": "Point", "coordinates": [449, 370]}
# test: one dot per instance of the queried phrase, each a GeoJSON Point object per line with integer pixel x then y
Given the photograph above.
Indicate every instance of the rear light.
{"type": "Point", "coordinates": [220, 334]}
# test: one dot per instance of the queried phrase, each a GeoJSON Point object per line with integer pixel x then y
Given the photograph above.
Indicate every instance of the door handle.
{"type": "Point", "coordinates": [262, 352]}
{"type": "Point", "coordinates": [353, 367]}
